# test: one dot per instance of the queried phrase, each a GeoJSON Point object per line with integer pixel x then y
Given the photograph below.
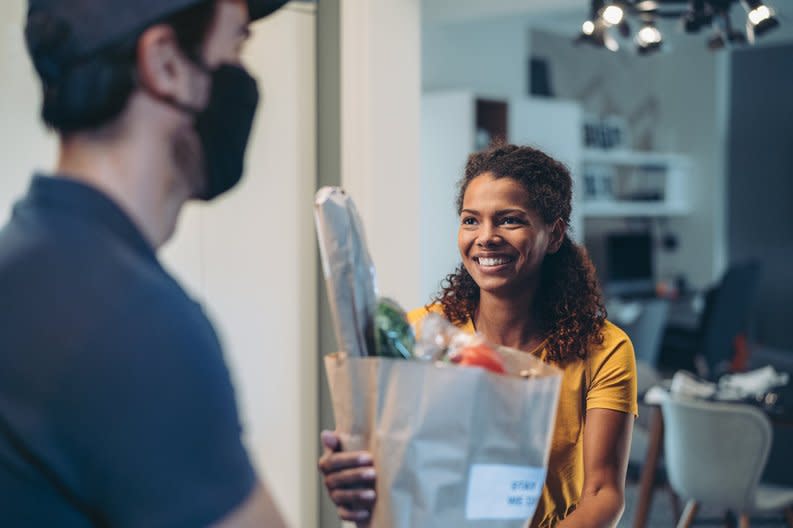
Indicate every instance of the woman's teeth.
{"type": "Point", "coordinates": [493, 261]}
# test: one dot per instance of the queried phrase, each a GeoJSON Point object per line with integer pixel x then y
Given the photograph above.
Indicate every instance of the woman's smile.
{"type": "Point", "coordinates": [495, 263]}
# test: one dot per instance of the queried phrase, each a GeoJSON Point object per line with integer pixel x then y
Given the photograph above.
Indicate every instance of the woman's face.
{"type": "Point", "coordinates": [502, 241]}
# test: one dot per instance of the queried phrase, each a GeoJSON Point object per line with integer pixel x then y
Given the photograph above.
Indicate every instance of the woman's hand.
{"type": "Point", "coordinates": [350, 479]}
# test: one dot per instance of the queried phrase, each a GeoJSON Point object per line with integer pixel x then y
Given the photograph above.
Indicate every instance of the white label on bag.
{"type": "Point", "coordinates": [498, 491]}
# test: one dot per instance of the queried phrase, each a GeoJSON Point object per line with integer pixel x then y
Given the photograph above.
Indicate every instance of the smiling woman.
{"type": "Point", "coordinates": [515, 204]}
{"type": "Point", "coordinates": [524, 284]}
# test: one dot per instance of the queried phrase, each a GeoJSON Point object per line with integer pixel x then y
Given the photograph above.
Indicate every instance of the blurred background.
{"type": "Point", "coordinates": [675, 118]}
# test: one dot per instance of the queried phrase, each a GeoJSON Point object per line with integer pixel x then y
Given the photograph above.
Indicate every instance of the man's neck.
{"type": "Point", "coordinates": [508, 321]}
{"type": "Point", "coordinates": [136, 180]}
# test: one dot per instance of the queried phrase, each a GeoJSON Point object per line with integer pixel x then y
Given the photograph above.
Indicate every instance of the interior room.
{"type": "Point", "coordinates": [674, 118]}
{"type": "Point", "coordinates": [672, 115]}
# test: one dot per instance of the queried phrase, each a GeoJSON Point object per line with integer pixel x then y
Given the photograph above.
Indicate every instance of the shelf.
{"type": "Point", "coordinates": [614, 208]}
{"type": "Point", "coordinates": [614, 179]}
{"type": "Point", "coordinates": [632, 158]}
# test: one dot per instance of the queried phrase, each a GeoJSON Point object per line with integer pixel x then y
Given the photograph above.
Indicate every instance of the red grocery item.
{"type": "Point", "coordinates": [480, 356]}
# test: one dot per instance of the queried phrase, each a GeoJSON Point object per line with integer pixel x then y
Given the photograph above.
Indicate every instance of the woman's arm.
{"type": "Point", "coordinates": [607, 440]}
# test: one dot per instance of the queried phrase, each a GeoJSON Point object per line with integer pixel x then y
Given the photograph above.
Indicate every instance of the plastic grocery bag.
{"type": "Point", "coordinates": [453, 446]}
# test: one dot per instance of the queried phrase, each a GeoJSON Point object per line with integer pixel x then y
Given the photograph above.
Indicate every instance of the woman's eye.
{"type": "Point", "coordinates": [468, 220]}
{"type": "Point", "coordinates": [511, 220]}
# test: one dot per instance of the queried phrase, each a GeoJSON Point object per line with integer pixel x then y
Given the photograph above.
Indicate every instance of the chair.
{"type": "Point", "coordinates": [647, 330]}
{"type": "Point", "coordinates": [715, 453]}
{"type": "Point", "coordinates": [645, 334]}
{"type": "Point", "coordinates": [726, 316]}
{"type": "Point", "coordinates": [710, 348]}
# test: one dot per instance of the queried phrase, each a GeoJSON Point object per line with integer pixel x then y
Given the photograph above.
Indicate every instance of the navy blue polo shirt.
{"type": "Point", "coordinates": [116, 407]}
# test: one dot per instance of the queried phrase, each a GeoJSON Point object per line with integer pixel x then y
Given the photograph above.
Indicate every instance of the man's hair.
{"type": "Point", "coordinates": [94, 90]}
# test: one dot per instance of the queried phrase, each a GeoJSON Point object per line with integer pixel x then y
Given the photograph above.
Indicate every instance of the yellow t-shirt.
{"type": "Point", "coordinates": [606, 379]}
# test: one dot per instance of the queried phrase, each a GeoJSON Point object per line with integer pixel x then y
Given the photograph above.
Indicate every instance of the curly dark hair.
{"type": "Point", "coordinates": [568, 305]}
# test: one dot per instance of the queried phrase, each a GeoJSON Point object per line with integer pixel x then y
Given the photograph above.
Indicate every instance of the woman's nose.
{"type": "Point", "coordinates": [488, 236]}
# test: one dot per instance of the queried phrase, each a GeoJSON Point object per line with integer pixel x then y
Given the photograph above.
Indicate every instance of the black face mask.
{"type": "Point", "coordinates": [223, 126]}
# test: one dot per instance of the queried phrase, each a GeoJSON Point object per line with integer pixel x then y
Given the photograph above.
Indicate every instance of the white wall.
{"type": "Point", "coordinates": [443, 156]}
{"type": "Point", "coordinates": [26, 144]}
{"type": "Point", "coordinates": [251, 258]}
{"type": "Point", "coordinates": [380, 124]}
{"type": "Point", "coordinates": [460, 10]}
{"type": "Point", "coordinates": [486, 56]}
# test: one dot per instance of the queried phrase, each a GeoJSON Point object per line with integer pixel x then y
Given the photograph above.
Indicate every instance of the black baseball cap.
{"type": "Point", "coordinates": [91, 25]}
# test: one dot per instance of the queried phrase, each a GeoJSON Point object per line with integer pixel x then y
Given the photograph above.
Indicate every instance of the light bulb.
{"type": "Point", "coordinates": [759, 14]}
{"type": "Point", "coordinates": [613, 15]}
{"type": "Point", "coordinates": [649, 35]}
{"type": "Point", "coordinates": [588, 27]}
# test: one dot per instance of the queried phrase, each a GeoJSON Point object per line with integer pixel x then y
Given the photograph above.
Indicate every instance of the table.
{"type": "Point", "coordinates": [650, 466]}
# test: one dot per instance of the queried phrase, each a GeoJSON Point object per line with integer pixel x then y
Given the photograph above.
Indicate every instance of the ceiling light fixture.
{"type": "Point", "coordinates": [699, 15]}
{"type": "Point", "coordinates": [613, 15]}
{"type": "Point", "coordinates": [759, 19]}
{"type": "Point", "coordinates": [594, 30]}
{"type": "Point", "coordinates": [607, 16]}
{"type": "Point", "coordinates": [723, 33]}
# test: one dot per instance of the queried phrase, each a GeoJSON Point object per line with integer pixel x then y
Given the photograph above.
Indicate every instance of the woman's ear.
{"type": "Point", "coordinates": [558, 232]}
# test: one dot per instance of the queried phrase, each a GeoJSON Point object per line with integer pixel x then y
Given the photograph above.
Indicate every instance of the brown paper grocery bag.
{"type": "Point", "coordinates": [453, 446]}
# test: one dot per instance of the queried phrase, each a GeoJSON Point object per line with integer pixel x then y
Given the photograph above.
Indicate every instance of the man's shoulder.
{"type": "Point", "coordinates": [91, 288]}
{"type": "Point", "coordinates": [57, 245]}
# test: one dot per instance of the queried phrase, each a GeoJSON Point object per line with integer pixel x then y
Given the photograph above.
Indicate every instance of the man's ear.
{"type": "Point", "coordinates": [558, 232]}
{"type": "Point", "coordinates": [161, 65]}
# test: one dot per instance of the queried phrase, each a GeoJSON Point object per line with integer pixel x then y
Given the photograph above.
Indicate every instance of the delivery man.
{"type": "Point", "coordinates": [116, 407]}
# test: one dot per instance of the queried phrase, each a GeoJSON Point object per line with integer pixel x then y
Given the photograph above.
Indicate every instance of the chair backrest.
{"type": "Point", "coordinates": [726, 315]}
{"type": "Point", "coordinates": [647, 330]}
{"type": "Point", "coordinates": [715, 452]}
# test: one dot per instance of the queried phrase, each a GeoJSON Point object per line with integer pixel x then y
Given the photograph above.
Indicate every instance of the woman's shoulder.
{"type": "Point", "coordinates": [415, 316]}
{"type": "Point", "coordinates": [420, 313]}
{"type": "Point", "coordinates": [615, 347]}
{"type": "Point", "coordinates": [613, 334]}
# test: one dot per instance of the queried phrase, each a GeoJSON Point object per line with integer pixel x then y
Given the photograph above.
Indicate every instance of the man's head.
{"type": "Point", "coordinates": [86, 52]}
{"type": "Point", "coordinates": [166, 70]}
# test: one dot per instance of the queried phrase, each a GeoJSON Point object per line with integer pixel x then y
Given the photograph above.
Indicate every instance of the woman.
{"type": "Point", "coordinates": [524, 284]}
